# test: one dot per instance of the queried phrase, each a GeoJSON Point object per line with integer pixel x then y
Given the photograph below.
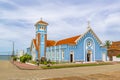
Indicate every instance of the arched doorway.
{"type": "Point", "coordinates": [71, 57]}
{"type": "Point", "coordinates": [89, 49]}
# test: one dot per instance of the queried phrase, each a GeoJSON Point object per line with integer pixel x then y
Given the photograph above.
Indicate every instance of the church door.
{"type": "Point", "coordinates": [88, 57]}
{"type": "Point", "coordinates": [71, 57]}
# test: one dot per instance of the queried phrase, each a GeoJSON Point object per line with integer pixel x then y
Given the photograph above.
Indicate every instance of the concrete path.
{"type": "Point", "coordinates": [10, 72]}
{"type": "Point", "coordinates": [25, 66]}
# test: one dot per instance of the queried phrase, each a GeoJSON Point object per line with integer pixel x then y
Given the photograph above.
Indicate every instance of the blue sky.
{"type": "Point", "coordinates": [66, 18]}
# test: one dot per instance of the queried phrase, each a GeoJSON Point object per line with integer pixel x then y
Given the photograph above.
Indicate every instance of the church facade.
{"type": "Point", "coordinates": [81, 48]}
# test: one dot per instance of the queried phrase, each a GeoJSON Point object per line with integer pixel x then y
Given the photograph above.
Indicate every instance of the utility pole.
{"type": "Point", "coordinates": [13, 49]}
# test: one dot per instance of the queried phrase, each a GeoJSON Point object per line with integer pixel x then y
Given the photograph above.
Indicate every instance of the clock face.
{"type": "Point", "coordinates": [89, 43]}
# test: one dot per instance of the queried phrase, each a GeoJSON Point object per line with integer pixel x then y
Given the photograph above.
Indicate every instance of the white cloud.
{"type": "Point", "coordinates": [65, 19]}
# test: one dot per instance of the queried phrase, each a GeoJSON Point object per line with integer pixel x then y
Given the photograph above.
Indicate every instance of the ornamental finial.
{"type": "Point", "coordinates": [41, 18]}
{"type": "Point", "coordinates": [88, 24]}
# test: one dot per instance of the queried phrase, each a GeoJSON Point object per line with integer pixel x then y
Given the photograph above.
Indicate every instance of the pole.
{"type": "Point", "coordinates": [13, 49]}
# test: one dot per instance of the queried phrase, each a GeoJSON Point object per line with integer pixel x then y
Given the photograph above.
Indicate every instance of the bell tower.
{"type": "Point", "coordinates": [41, 38]}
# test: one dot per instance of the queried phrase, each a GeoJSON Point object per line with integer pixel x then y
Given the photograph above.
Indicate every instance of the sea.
{"type": "Point", "coordinates": [5, 57]}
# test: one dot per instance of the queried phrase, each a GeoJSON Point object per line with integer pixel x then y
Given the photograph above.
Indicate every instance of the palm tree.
{"type": "Point", "coordinates": [107, 43]}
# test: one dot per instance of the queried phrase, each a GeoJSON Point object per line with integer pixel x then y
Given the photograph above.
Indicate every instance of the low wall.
{"type": "Point", "coordinates": [115, 58]}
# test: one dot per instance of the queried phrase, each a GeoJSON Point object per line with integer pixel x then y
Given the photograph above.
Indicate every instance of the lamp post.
{"type": "Point", "coordinates": [13, 49]}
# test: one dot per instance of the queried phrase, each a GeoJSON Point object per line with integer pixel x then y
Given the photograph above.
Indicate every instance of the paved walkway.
{"type": "Point", "coordinates": [25, 66]}
{"type": "Point", "coordinates": [10, 72]}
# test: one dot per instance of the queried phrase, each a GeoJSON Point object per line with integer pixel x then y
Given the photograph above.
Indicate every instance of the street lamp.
{"type": "Point", "coordinates": [13, 53]}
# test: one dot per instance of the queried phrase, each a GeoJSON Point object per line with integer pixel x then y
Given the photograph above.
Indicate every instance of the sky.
{"type": "Point", "coordinates": [66, 18]}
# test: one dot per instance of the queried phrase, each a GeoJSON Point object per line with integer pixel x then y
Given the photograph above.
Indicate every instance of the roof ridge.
{"type": "Point", "coordinates": [69, 37]}
{"type": "Point", "coordinates": [50, 40]}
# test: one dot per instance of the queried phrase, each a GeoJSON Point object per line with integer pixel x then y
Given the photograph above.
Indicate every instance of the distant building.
{"type": "Point", "coordinates": [114, 50]}
{"type": "Point", "coordinates": [28, 51]}
{"type": "Point", "coordinates": [86, 47]}
{"type": "Point", "coordinates": [21, 53]}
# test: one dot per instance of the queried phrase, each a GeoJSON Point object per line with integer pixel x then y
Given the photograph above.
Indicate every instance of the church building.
{"type": "Point", "coordinates": [86, 47]}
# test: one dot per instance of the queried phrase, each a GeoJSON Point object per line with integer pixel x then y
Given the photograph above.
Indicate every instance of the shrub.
{"type": "Point", "coordinates": [43, 60]}
{"type": "Point", "coordinates": [25, 58]}
{"type": "Point", "coordinates": [49, 61]}
{"type": "Point", "coordinates": [118, 56]}
{"type": "Point", "coordinates": [28, 57]}
{"type": "Point", "coordinates": [53, 63]}
{"type": "Point", "coordinates": [15, 58]}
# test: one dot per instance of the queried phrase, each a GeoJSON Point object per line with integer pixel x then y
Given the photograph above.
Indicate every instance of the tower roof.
{"type": "Point", "coordinates": [41, 22]}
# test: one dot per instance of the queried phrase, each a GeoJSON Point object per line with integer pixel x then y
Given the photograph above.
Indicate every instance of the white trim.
{"type": "Point", "coordinates": [84, 48]}
{"type": "Point", "coordinates": [78, 38]}
{"type": "Point", "coordinates": [92, 32]}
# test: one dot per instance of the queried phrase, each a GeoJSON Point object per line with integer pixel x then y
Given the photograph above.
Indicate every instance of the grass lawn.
{"type": "Point", "coordinates": [75, 65]}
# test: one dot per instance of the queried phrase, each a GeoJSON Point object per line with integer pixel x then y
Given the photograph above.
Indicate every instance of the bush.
{"type": "Point", "coordinates": [118, 56]}
{"type": "Point", "coordinates": [15, 58]}
{"type": "Point", "coordinates": [53, 63]}
{"type": "Point", "coordinates": [45, 63]}
{"type": "Point", "coordinates": [25, 58]}
{"type": "Point", "coordinates": [49, 61]}
{"type": "Point", "coordinates": [28, 57]}
{"type": "Point", "coordinates": [43, 60]}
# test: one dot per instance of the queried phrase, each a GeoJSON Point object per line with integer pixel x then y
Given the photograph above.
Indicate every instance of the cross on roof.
{"type": "Point", "coordinates": [88, 24]}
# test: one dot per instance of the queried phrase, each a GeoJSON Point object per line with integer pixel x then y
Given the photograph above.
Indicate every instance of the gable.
{"type": "Point", "coordinates": [33, 44]}
{"type": "Point", "coordinates": [89, 30]}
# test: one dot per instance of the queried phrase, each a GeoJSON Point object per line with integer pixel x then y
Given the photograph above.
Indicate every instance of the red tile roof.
{"type": "Point", "coordinates": [70, 40]}
{"type": "Point", "coordinates": [41, 22]}
{"type": "Point", "coordinates": [34, 41]}
{"type": "Point", "coordinates": [115, 46]}
{"type": "Point", "coordinates": [50, 43]}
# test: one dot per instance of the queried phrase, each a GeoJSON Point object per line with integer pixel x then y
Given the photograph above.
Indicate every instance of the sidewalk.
{"type": "Point", "coordinates": [24, 66]}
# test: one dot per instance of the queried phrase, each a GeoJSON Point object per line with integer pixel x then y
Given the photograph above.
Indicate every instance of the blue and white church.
{"type": "Point", "coordinates": [86, 47]}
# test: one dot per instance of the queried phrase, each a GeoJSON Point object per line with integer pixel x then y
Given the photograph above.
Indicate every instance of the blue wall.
{"type": "Point", "coordinates": [79, 50]}
{"type": "Point", "coordinates": [42, 37]}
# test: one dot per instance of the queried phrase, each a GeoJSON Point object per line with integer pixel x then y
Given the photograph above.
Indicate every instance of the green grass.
{"type": "Point", "coordinates": [33, 62]}
{"type": "Point", "coordinates": [73, 65]}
